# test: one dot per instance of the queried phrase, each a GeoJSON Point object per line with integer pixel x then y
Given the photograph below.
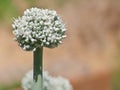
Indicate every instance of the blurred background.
{"type": "Point", "coordinates": [90, 55]}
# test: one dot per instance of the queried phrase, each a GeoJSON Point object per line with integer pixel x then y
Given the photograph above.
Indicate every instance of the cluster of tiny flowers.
{"type": "Point", "coordinates": [49, 82]}
{"type": "Point", "coordinates": [38, 28]}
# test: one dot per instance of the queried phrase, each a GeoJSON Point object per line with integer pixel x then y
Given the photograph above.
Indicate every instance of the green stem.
{"type": "Point", "coordinates": [38, 68]}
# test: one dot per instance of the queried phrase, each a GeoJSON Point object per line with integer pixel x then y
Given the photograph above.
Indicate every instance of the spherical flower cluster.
{"type": "Point", "coordinates": [38, 28]}
{"type": "Point", "coordinates": [49, 82]}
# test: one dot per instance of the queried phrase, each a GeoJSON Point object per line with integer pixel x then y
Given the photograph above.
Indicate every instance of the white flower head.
{"type": "Point", "coordinates": [39, 28]}
{"type": "Point", "coordinates": [49, 82]}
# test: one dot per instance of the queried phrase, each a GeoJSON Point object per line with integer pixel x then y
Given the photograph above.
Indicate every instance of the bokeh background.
{"type": "Point", "coordinates": [90, 55]}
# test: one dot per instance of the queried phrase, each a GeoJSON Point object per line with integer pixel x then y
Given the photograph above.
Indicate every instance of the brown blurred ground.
{"type": "Point", "coordinates": [86, 56]}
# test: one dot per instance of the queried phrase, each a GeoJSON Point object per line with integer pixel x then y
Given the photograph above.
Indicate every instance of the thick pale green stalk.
{"type": "Point", "coordinates": [38, 69]}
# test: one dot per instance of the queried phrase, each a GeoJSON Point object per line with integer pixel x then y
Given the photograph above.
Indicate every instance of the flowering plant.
{"type": "Point", "coordinates": [50, 83]}
{"type": "Point", "coordinates": [38, 28]}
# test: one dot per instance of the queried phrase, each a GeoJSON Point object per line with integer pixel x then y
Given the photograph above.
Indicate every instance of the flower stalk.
{"type": "Point", "coordinates": [38, 66]}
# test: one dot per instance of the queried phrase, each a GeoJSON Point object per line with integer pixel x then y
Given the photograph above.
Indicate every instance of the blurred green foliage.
{"type": "Point", "coordinates": [116, 80]}
{"type": "Point", "coordinates": [32, 2]}
{"type": "Point", "coordinates": [7, 10]}
{"type": "Point", "coordinates": [10, 87]}
{"type": "Point", "coordinates": [116, 73]}
{"type": "Point", "coordinates": [61, 2]}
{"type": "Point", "coordinates": [57, 2]}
